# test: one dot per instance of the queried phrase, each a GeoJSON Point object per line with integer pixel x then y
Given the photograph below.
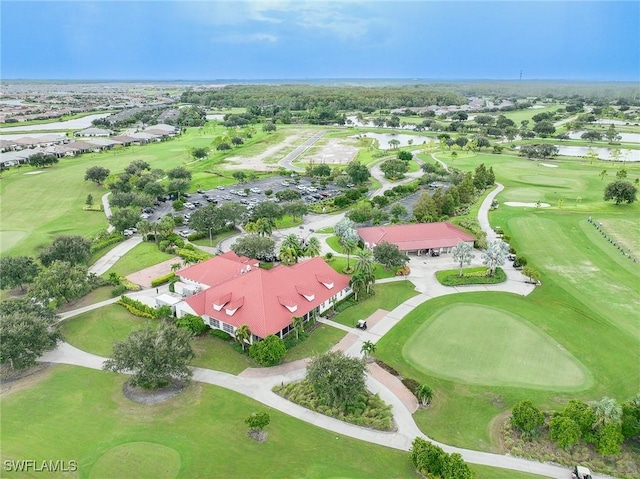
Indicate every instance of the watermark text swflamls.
{"type": "Point", "coordinates": [32, 465]}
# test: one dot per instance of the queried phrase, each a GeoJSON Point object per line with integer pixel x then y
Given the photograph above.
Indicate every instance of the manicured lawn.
{"type": "Point", "coordinates": [387, 296]}
{"type": "Point", "coordinates": [488, 472]}
{"type": "Point", "coordinates": [142, 256]}
{"type": "Point", "coordinates": [215, 239]}
{"type": "Point", "coordinates": [584, 311]}
{"type": "Point", "coordinates": [324, 231]}
{"type": "Point", "coordinates": [320, 340]}
{"type": "Point", "coordinates": [288, 221]}
{"type": "Point", "coordinates": [199, 433]}
{"type": "Point", "coordinates": [95, 331]}
{"type": "Point", "coordinates": [334, 244]}
{"type": "Point", "coordinates": [214, 353]}
{"type": "Point", "coordinates": [339, 263]}
{"type": "Point", "coordinates": [96, 296]}
{"type": "Point", "coordinates": [479, 275]}
{"type": "Point", "coordinates": [482, 345]}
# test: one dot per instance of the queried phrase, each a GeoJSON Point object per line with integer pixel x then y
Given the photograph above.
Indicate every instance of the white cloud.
{"type": "Point", "coordinates": [341, 19]}
{"type": "Point", "coordinates": [246, 38]}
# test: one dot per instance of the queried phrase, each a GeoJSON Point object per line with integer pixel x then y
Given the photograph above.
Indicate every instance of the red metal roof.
{"type": "Point", "coordinates": [226, 266]}
{"type": "Point", "coordinates": [415, 236]}
{"type": "Point", "coordinates": [262, 299]}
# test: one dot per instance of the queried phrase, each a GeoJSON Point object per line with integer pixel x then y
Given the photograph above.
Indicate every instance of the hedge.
{"type": "Point", "coordinates": [108, 241]}
{"type": "Point", "coordinates": [137, 308]}
{"type": "Point", "coordinates": [163, 279]}
{"type": "Point", "coordinates": [193, 255]}
{"type": "Point", "coordinates": [431, 461]}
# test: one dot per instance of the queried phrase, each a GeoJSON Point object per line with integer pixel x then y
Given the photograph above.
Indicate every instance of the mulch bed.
{"type": "Point", "coordinates": [149, 397]}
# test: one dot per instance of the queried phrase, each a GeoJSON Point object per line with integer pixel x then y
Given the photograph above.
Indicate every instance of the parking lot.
{"type": "Point", "coordinates": [248, 194]}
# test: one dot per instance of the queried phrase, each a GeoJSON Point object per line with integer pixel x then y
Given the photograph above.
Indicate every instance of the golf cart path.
{"type": "Point", "coordinates": [259, 389]}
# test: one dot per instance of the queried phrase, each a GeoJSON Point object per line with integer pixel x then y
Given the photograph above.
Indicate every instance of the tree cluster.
{"type": "Point", "coordinates": [41, 160]}
{"type": "Point", "coordinates": [538, 151]}
{"type": "Point", "coordinates": [389, 255]}
{"type": "Point", "coordinates": [431, 461]}
{"type": "Point", "coordinates": [269, 351]}
{"type": "Point", "coordinates": [337, 380]}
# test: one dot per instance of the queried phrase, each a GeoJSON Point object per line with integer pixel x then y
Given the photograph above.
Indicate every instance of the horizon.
{"type": "Point", "coordinates": [261, 40]}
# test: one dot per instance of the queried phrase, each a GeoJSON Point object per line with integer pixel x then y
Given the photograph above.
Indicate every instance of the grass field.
{"type": "Point", "coordinates": [142, 256]}
{"type": "Point", "coordinates": [33, 212]}
{"type": "Point", "coordinates": [387, 296]}
{"type": "Point", "coordinates": [482, 345]}
{"type": "Point", "coordinates": [339, 263]}
{"type": "Point", "coordinates": [199, 433]}
{"type": "Point", "coordinates": [583, 315]}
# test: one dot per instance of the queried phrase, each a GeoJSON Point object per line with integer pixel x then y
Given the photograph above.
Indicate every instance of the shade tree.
{"type": "Point", "coordinates": [337, 380]}
{"type": "Point", "coordinates": [17, 271]}
{"type": "Point", "coordinates": [495, 255]}
{"type": "Point", "coordinates": [621, 191]}
{"type": "Point", "coordinates": [73, 249]}
{"type": "Point", "coordinates": [463, 254]}
{"type": "Point", "coordinates": [97, 174]}
{"type": "Point", "coordinates": [25, 337]}
{"type": "Point", "coordinates": [389, 255]}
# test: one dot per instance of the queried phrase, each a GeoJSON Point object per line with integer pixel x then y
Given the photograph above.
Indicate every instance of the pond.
{"type": "Point", "coordinates": [625, 137]}
{"type": "Point", "coordinates": [217, 117]}
{"type": "Point", "coordinates": [603, 153]}
{"type": "Point", "coordinates": [77, 124]}
{"type": "Point", "coordinates": [355, 122]}
{"type": "Point", "coordinates": [383, 139]}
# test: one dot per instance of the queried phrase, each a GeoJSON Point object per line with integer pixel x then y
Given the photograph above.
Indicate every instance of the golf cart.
{"type": "Point", "coordinates": [580, 472]}
{"type": "Point", "coordinates": [362, 324]}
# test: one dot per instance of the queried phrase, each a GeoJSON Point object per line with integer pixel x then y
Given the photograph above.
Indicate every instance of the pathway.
{"type": "Point", "coordinates": [106, 207]}
{"type": "Point", "coordinates": [287, 161]}
{"type": "Point", "coordinates": [106, 261]}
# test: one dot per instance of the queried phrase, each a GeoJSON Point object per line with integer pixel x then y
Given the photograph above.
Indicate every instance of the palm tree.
{"type": "Point", "coordinates": [251, 227]}
{"type": "Point", "coordinates": [264, 226]}
{"type": "Point", "coordinates": [288, 255]}
{"type": "Point", "coordinates": [144, 228]}
{"type": "Point", "coordinates": [607, 411]}
{"type": "Point", "coordinates": [243, 334]}
{"type": "Point", "coordinates": [349, 246]}
{"type": "Point", "coordinates": [357, 284]}
{"type": "Point", "coordinates": [313, 248]}
{"type": "Point", "coordinates": [367, 349]}
{"type": "Point", "coordinates": [365, 266]}
{"type": "Point", "coordinates": [291, 246]}
{"type": "Point", "coordinates": [425, 394]}
{"type": "Point", "coordinates": [298, 325]}
{"type": "Point", "coordinates": [175, 267]}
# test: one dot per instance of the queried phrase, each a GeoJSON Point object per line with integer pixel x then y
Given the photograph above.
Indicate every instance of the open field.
{"type": "Point", "coordinates": [199, 433]}
{"type": "Point", "coordinates": [142, 256]}
{"type": "Point", "coordinates": [387, 296]}
{"type": "Point", "coordinates": [585, 305]}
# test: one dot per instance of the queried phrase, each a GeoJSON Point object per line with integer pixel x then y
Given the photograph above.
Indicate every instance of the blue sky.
{"type": "Point", "coordinates": [306, 39]}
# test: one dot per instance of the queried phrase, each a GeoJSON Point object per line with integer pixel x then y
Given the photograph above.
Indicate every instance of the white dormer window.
{"type": "Point", "coordinates": [328, 285]}
{"type": "Point", "coordinates": [292, 308]}
{"type": "Point", "coordinates": [230, 311]}
{"type": "Point", "coordinates": [309, 297]}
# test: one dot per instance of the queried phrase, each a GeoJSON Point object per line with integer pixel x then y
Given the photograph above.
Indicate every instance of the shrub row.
{"type": "Point", "coordinates": [107, 241]}
{"type": "Point", "coordinates": [220, 334]}
{"type": "Point", "coordinates": [193, 323]}
{"type": "Point", "coordinates": [192, 255]}
{"type": "Point", "coordinates": [432, 461]}
{"type": "Point", "coordinates": [137, 308]}
{"type": "Point", "coordinates": [163, 279]}
{"type": "Point", "coordinates": [451, 278]}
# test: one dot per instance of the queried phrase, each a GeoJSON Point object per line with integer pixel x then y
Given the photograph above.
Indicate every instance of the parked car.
{"type": "Point", "coordinates": [256, 190]}
{"type": "Point", "coordinates": [580, 472]}
{"type": "Point", "coordinates": [201, 192]}
{"type": "Point", "coordinates": [220, 187]}
{"type": "Point", "coordinates": [435, 253]}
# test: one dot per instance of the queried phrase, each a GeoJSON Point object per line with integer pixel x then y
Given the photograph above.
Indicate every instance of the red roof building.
{"type": "Point", "coordinates": [416, 237]}
{"type": "Point", "coordinates": [234, 291]}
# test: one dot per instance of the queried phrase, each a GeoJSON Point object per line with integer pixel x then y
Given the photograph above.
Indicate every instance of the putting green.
{"type": "Point", "coordinates": [148, 460]}
{"type": "Point", "coordinates": [483, 345]}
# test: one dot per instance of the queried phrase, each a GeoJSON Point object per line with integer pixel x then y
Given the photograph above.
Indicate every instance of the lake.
{"type": "Point", "coordinates": [77, 124]}
{"type": "Point", "coordinates": [603, 153]}
{"type": "Point", "coordinates": [384, 139]}
{"type": "Point", "coordinates": [626, 137]}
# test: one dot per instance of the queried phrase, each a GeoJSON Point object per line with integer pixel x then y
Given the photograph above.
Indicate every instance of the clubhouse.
{"type": "Point", "coordinates": [418, 238]}
{"type": "Point", "coordinates": [229, 291]}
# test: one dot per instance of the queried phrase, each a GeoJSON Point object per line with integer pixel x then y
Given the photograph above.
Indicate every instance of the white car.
{"type": "Point", "coordinates": [312, 189]}
{"type": "Point", "coordinates": [220, 187]}
{"type": "Point", "coordinates": [145, 216]}
{"type": "Point", "coordinates": [301, 187]}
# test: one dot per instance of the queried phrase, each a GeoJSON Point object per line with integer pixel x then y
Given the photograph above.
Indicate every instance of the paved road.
{"type": "Point", "coordinates": [287, 161]}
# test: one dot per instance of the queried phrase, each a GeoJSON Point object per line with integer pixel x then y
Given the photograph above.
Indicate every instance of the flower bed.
{"type": "Point", "coordinates": [479, 275]}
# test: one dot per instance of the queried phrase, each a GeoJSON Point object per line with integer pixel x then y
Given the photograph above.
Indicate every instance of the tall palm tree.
{"type": "Point", "coordinates": [364, 262]}
{"type": "Point", "coordinates": [288, 255]}
{"type": "Point", "coordinates": [243, 334]}
{"type": "Point", "coordinates": [358, 284]}
{"type": "Point", "coordinates": [298, 325]}
{"type": "Point", "coordinates": [425, 394]}
{"type": "Point", "coordinates": [292, 248]}
{"type": "Point", "coordinates": [313, 247]}
{"type": "Point", "coordinates": [367, 349]}
{"type": "Point", "coordinates": [264, 226]}
{"type": "Point", "coordinates": [349, 245]}
{"type": "Point", "coordinates": [144, 228]}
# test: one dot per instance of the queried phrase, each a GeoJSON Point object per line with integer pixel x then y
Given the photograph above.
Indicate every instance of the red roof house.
{"type": "Point", "coordinates": [236, 292]}
{"type": "Point", "coordinates": [416, 237]}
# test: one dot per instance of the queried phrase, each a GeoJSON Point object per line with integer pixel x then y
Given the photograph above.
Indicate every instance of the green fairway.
{"type": "Point", "coordinates": [142, 256]}
{"type": "Point", "coordinates": [488, 472]}
{"type": "Point", "coordinates": [199, 433]}
{"type": "Point", "coordinates": [482, 345]}
{"type": "Point", "coordinates": [95, 331]}
{"type": "Point", "coordinates": [584, 314]}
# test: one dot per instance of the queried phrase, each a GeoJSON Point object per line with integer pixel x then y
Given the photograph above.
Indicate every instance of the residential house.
{"type": "Point", "coordinates": [94, 132]}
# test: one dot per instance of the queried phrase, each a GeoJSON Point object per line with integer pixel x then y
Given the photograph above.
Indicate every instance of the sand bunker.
{"type": "Point", "coordinates": [530, 205]}
{"type": "Point", "coordinates": [548, 165]}
{"type": "Point", "coordinates": [34, 172]}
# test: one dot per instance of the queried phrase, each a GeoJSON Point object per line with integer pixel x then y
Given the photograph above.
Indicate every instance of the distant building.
{"type": "Point", "coordinates": [419, 238]}
{"type": "Point", "coordinates": [94, 132]}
